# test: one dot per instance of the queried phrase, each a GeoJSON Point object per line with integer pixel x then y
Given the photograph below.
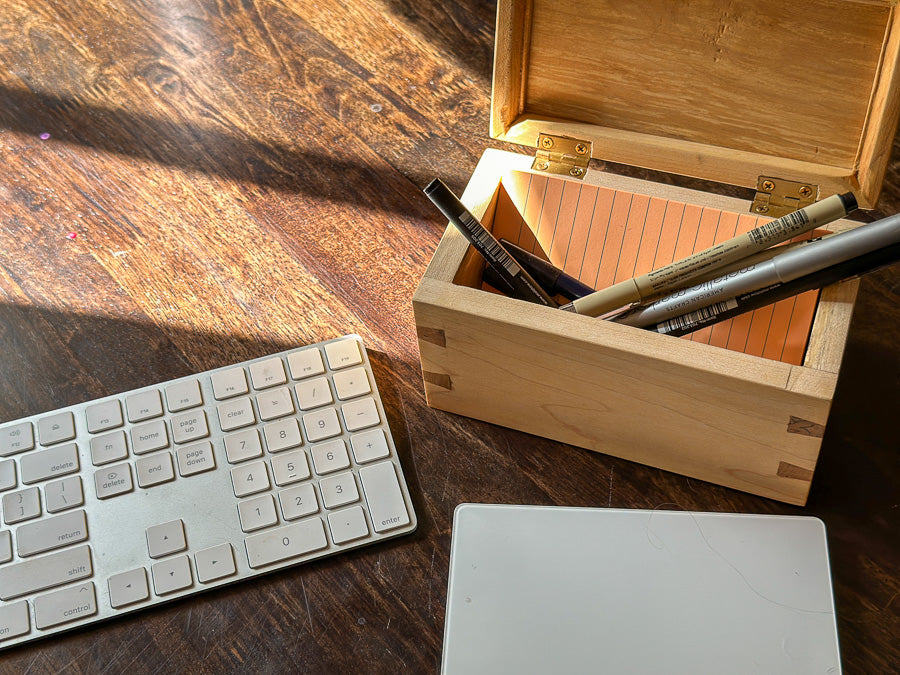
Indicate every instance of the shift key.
{"type": "Point", "coordinates": [384, 497]}
{"type": "Point", "coordinates": [47, 571]}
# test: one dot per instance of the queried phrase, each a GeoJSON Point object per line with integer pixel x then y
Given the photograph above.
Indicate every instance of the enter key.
{"type": "Point", "coordinates": [384, 497]}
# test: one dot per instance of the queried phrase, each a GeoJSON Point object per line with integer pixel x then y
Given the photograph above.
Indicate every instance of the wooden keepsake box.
{"type": "Point", "coordinates": [796, 100]}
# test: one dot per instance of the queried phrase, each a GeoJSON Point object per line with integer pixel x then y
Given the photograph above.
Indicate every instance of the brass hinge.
{"type": "Point", "coordinates": [563, 156]}
{"type": "Point", "coordinates": [777, 197]}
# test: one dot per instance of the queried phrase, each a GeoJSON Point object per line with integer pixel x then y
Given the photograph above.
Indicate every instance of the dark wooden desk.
{"type": "Point", "coordinates": [191, 184]}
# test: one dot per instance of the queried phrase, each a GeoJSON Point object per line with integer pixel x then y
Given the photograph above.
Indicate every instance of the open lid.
{"type": "Point", "coordinates": [718, 90]}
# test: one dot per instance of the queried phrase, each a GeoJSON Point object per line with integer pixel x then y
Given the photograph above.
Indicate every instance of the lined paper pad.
{"type": "Point", "coordinates": [603, 236]}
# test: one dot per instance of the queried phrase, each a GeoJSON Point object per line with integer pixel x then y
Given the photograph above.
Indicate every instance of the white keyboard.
{"type": "Point", "coordinates": [131, 500]}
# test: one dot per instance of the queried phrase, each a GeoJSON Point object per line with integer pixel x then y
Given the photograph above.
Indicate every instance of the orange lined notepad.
{"type": "Point", "coordinates": [603, 236]}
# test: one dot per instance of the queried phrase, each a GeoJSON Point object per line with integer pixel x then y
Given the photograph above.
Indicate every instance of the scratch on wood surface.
{"type": "Point", "coordinates": [308, 613]}
{"type": "Point", "coordinates": [431, 578]}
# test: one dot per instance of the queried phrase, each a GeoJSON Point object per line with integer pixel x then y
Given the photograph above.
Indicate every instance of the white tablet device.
{"type": "Point", "coordinates": [538, 589]}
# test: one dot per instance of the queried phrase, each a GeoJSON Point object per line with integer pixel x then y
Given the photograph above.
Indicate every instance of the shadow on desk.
{"type": "Point", "coordinates": [192, 146]}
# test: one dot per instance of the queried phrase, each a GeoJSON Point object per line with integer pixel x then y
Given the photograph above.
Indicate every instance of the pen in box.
{"type": "Point", "coordinates": [727, 309]}
{"type": "Point", "coordinates": [678, 274]}
{"type": "Point", "coordinates": [511, 278]}
{"type": "Point", "coordinates": [549, 276]}
{"type": "Point", "coordinates": [790, 265]}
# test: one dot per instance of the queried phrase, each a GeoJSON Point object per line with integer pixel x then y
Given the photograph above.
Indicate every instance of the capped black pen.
{"type": "Point", "coordinates": [511, 278]}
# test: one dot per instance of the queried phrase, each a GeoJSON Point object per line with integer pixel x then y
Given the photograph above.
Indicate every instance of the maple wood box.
{"type": "Point", "coordinates": [822, 119]}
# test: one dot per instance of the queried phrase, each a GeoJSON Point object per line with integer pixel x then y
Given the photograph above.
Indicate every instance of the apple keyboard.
{"type": "Point", "coordinates": [128, 501]}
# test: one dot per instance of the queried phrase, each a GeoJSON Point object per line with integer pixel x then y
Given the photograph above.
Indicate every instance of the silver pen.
{"type": "Point", "coordinates": [788, 266]}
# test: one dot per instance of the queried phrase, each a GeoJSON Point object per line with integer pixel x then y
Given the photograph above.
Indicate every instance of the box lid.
{"type": "Point", "coordinates": [718, 90]}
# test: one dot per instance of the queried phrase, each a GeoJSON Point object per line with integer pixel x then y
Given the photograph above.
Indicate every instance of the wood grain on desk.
{"type": "Point", "coordinates": [190, 184]}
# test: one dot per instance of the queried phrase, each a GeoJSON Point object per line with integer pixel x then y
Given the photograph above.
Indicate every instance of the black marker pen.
{"type": "Point", "coordinates": [512, 279]}
{"type": "Point", "coordinates": [549, 276]}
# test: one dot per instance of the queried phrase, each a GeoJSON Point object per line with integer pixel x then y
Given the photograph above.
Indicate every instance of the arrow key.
{"type": "Point", "coordinates": [215, 562]}
{"type": "Point", "coordinates": [172, 574]}
{"type": "Point", "coordinates": [166, 538]}
{"type": "Point", "coordinates": [128, 588]}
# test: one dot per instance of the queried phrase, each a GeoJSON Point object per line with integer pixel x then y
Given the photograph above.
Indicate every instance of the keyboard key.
{"type": "Point", "coordinates": [21, 505]}
{"type": "Point", "coordinates": [313, 393]}
{"type": "Point", "coordinates": [214, 563]}
{"type": "Point", "coordinates": [47, 571]}
{"type": "Point", "coordinates": [171, 575]}
{"type": "Point", "coordinates": [351, 383]}
{"type": "Point", "coordinates": [290, 467]}
{"type": "Point", "coordinates": [16, 438]}
{"type": "Point", "coordinates": [249, 479]}
{"type": "Point", "coordinates": [108, 448]}
{"type": "Point", "coordinates": [360, 414]}
{"type": "Point", "coordinates": [242, 446]}
{"type": "Point", "coordinates": [14, 620]}
{"type": "Point", "coordinates": [64, 494]}
{"type": "Point", "coordinates": [65, 606]}
{"type": "Point", "coordinates": [7, 475]}
{"type": "Point", "coordinates": [183, 395]}
{"type": "Point", "coordinates": [189, 427]}
{"type": "Point", "coordinates": [286, 542]}
{"type": "Point", "coordinates": [195, 458]}
{"type": "Point", "coordinates": [268, 373]}
{"type": "Point", "coordinates": [56, 428]}
{"type": "Point", "coordinates": [228, 383]}
{"type": "Point", "coordinates": [143, 406]}
{"type": "Point", "coordinates": [127, 588]}
{"type": "Point", "coordinates": [369, 446]}
{"type": "Point", "coordinates": [274, 404]}
{"type": "Point", "coordinates": [235, 414]}
{"type": "Point", "coordinates": [112, 481]}
{"type": "Point", "coordinates": [44, 464]}
{"type": "Point", "coordinates": [321, 424]}
{"type": "Point", "coordinates": [282, 435]}
{"type": "Point", "coordinates": [330, 457]}
{"type": "Point", "coordinates": [257, 513]}
{"type": "Point", "coordinates": [166, 538]}
{"type": "Point", "coordinates": [154, 469]}
{"type": "Point", "coordinates": [104, 416]}
{"type": "Point", "coordinates": [298, 501]}
{"type": "Point", "coordinates": [338, 490]}
{"type": "Point", "coordinates": [306, 363]}
{"type": "Point", "coordinates": [384, 497]}
{"type": "Point", "coordinates": [343, 353]}
{"type": "Point", "coordinates": [5, 546]}
{"type": "Point", "coordinates": [348, 525]}
{"type": "Point", "coordinates": [149, 437]}
{"type": "Point", "coordinates": [50, 533]}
